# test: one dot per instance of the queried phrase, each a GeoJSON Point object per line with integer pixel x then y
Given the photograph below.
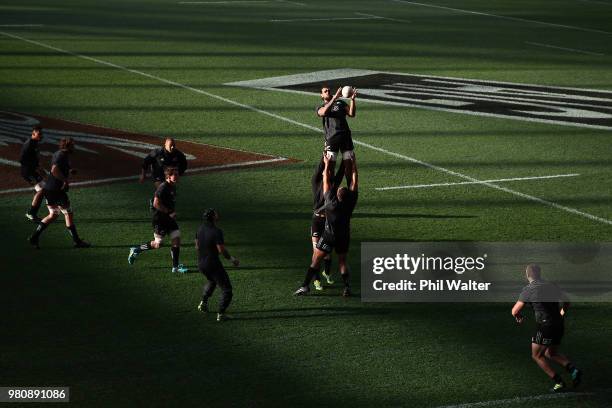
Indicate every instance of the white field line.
{"type": "Point", "coordinates": [126, 178]}
{"type": "Point", "coordinates": [297, 3]}
{"type": "Point", "coordinates": [10, 162]}
{"type": "Point", "coordinates": [518, 400]}
{"type": "Point", "coordinates": [324, 19]}
{"type": "Point", "coordinates": [383, 18]}
{"type": "Point", "coordinates": [564, 48]}
{"type": "Point", "coordinates": [523, 20]}
{"type": "Point", "coordinates": [318, 130]}
{"type": "Point", "coordinates": [21, 25]}
{"type": "Point", "coordinates": [463, 183]}
{"type": "Point", "coordinates": [607, 3]}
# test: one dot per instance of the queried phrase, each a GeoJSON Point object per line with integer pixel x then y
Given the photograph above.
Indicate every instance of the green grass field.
{"type": "Point", "coordinates": [131, 336]}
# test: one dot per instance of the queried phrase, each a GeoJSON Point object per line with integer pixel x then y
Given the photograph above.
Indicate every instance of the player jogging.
{"type": "Point", "coordinates": [55, 191]}
{"type": "Point", "coordinates": [550, 306]}
{"type": "Point", "coordinates": [339, 206]}
{"type": "Point", "coordinates": [209, 244]}
{"type": "Point", "coordinates": [333, 113]}
{"type": "Point", "coordinates": [161, 158]}
{"type": "Point", "coordinates": [164, 222]}
{"type": "Point", "coordinates": [32, 172]}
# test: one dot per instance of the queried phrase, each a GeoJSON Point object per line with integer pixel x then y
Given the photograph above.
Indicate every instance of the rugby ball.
{"type": "Point", "coordinates": [347, 91]}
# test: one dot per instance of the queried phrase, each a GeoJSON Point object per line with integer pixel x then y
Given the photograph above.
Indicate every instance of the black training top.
{"type": "Point", "coordinates": [166, 193]}
{"type": "Point", "coordinates": [160, 158]}
{"type": "Point", "coordinates": [209, 236]}
{"type": "Point", "coordinates": [338, 213]}
{"type": "Point", "coordinates": [334, 122]}
{"type": "Point", "coordinates": [29, 154]}
{"type": "Point", "coordinates": [545, 298]}
{"type": "Point", "coordinates": [61, 160]}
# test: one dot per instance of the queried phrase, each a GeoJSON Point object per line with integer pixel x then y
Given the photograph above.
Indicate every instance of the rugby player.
{"type": "Point", "coordinates": [333, 112]}
{"type": "Point", "coordinates": [55, 191]}
{"type": "Point", "coordinates": [550, 306]}
{"type": "Point", "coordinates": [32, 172]}
{"type": "Point", "coordinates": [164, 222]}
{"type": "Point", "coordinates": [161, 158]}
{"type": "Point", "coordinates": [339, 206]}
{"type": "Point", "coordinates": [209, 244]}
{"type": "Point", "coordinates": [317, 225]}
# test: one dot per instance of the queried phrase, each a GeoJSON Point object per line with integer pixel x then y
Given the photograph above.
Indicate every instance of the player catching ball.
{"type": "Point", "coordinates": [333, 113]}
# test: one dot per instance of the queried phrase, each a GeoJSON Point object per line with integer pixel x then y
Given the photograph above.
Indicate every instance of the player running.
{"type": "Point", "coordinates": [333, 113]}
{"type": "Point", "coordinates": [550, 306]}
{"type": "Point", "coordinates": [55, 192]}
{"type": "Point", "coordinates": [161, 158]}
{"type": "Point", "coordinates": [339, 206]}
{"type": "Point", "coordinates": [164, 222]}
{"type": "Point", "coordinates": [32, 172]}
{"type": "Point", "coordinates": [209, 244]}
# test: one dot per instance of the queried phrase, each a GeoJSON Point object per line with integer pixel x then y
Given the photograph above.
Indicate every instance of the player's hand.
{"type": "Point", "coordinates": [172, 214]}
{"type": "Point", "coordinates": [141, 178]}
{"type": "Point", "coordinates": [326, 159]}
{"type": "Point", "coordinates": [235, 262]}
{"type": "Point", "coordinates": [519, 319]}
{"type": "Point", "coordinates": [354, 95]}
{"type": "Point", "coordinates": [338, 94]}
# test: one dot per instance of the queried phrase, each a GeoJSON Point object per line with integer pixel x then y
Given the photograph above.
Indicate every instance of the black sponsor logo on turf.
{"type": "Point", "coordinates": [566, 106]}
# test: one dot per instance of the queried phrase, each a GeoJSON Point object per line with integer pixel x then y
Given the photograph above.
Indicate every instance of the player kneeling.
{"type": "Point", "coordinates": [164, 222]}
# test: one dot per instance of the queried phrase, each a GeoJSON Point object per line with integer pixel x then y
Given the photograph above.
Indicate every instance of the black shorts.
{"type": "Point", "coordinates": [548, 334]}
{"type": "Point", "coordinates": [338, 241]}
{"type": "Point", "coordinates": [342, 143]}
{"type": "Point", "coordinates": [163, 224]}
{"type": "Point", "coordinates": [31, 176]}
{"type": "Point", "coordinates": [317, 226]}
{"type": "Point", "coordinates": [57, 198]}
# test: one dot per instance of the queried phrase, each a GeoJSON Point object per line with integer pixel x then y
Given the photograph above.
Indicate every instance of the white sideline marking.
{"type": "Point", "coordinates": [518, 400]}
{"type": "Point", "coordinates": [524, 20]}
{"type": "Point", "coordinates": [607, 3]}
{"type": "Point", "coordinates": [21, 25]}
{"type": "Point", "coordinates": [196, 170]}
{"type": "Point", "coordinates": [316, 129]}
{"type": "Point", "coordinates": [297, 3]}
{"type": "Point", "coordinates": [564, 49]}
{"type": "Point", "coordinates": [325, 19]}
{"type": "Point", "coordinates": [10, 162]}
{"type": "Point", "coordinates": [463, 183]}
{"type": "Point", "coordinates": [383, 18]}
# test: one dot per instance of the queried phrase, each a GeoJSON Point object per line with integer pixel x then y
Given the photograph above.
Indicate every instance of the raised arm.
{"type": "Point", "coordinates": [327, 182]}
{"type": "Point", "coordinates": [325, 108]}
{"type": "Point", "coordinates": [351, 110]}
{"type": "Point", "coordinates": [354, 175]}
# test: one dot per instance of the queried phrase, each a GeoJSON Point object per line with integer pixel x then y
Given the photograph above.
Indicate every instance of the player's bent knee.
{"type": "Point", "coordinates": [38, 187]}
{"type": "Point", "coordinates": [157, 241]}
{"type": "Point", "coordinates": [66, 211]}
{"type": "Point", "coordinates": [53, 211]}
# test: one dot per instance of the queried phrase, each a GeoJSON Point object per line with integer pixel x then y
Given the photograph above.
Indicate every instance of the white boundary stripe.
{"type": "Point", "coordinates": [383, 18]}
{"type": "Point", "coordinates": [282, 118]}
{"type": "Point", "coordinates": [325, 19]}
{"type": "Point", "coordinates": [517, 400]}
{"type": "Point", "coordinates": [607, 3]}
{"type": "Point", "coordinates": [524, 20]}
{"type": "Point", "coordinates": [463, 183]}
{"type": "Point", "coordinates": [126, 178]}
{"type": "Point", "coordinates": [10, 162]}
{"type": "Point", "coordinates": [564, 48]}
{"type": "Point", "coordinates": [297, 3]}
{"type": "Point", "coordinates": [21, 25]}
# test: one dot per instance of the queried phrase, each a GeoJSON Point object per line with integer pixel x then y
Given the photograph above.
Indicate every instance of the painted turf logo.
{"type": "Point", "coordinates": [534, 103]}
{"type": "Point", "coordinates": [106, 155]}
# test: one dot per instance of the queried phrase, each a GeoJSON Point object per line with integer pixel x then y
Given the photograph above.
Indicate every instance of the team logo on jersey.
{"type": "Point", "coordinates": [566, 106]}
{"type": "Point", "coordinates": [105, 155]}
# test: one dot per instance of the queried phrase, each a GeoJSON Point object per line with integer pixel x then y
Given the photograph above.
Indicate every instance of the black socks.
{"type": "Point", "coordinates": [175, 251]}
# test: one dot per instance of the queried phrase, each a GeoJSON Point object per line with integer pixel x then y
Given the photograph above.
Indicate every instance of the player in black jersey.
{"type": "Point", "coordinates": [32, 172]}
{"type": "Point", "coordinates": [333, 112]}
{"type": "Point", "coordinates": [161, 158]}
{"type": "Point", "coordinates": [164, 222]}
{"type": "Point", "coordinates": [55, 192]}
{"type": "Point", "coordinates": [209, 243]}
{"type": "Point", "coordinates": [550, 306]}
{"type": "Point", "coordinates": [317, 226]}
{"type": "Point", "coordinates": [339, 206]}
